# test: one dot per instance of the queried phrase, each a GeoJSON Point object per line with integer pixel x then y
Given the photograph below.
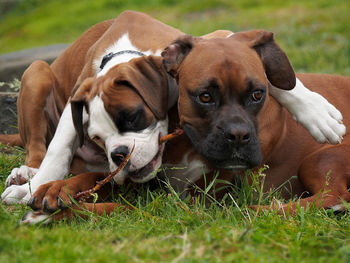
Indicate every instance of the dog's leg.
{"type": "Point", "coordinates": [37, 83]}
{"type": "Point", "coordinates": [325, 177]}
{"type": "Point", "coordinates": [314, 112]}
{"type": "Point", "coordinates": [55, 164]}
{"type": "Point", "coordinates": [11, 139]}
{"type": "Point", "coordinates": [82, 210]}
{"type": "Point", "coordinates": [57, 194]}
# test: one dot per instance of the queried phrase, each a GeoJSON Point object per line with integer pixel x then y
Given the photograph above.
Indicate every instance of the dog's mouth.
{"type": "Point", "coordinates": [233, 166]}
{"type": "Point", "coordinates": [237, 162]}
{"type": "Point", "coordinates": [149, 171]}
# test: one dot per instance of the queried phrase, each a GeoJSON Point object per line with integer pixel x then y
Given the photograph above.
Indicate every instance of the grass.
{"type": "Point", "coordinates": [164, 228]}
{"type": "Point", "coordinates": [314, 34]}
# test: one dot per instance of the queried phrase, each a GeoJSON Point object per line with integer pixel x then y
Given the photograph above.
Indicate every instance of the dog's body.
{"type": "Point", "coordinates": [86, 72]}
{"type": "Point", "coordinates": [76, 73]}
{"type": "Point", "coordinates": [234, 124]}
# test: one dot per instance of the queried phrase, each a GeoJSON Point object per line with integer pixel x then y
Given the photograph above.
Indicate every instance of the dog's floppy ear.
{"type": "Point", "coordinates": [278, 69]}
{"type": "Point", "coordinates": [149, 78]}
{"type": "Point", "coordinates": [176, 52]}
{"type": "Point", "coordinates": [78, 102]}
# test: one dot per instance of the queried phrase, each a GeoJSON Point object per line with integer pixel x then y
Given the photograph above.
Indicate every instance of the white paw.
{"type": "Point", "coordinates": [16, 194]}
{"type": "Point", "coordinates": [322, 119]}
{"type": "Point", "coordinates": [314, 112]}
{"type": "Point", "coordinates": [35, 217]}
{"type": "Point", "coordinates": [20, 175]}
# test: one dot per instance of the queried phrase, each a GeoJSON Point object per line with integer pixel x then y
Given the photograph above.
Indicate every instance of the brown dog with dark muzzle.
{"type": "Point", "coordinates": [225, 110]}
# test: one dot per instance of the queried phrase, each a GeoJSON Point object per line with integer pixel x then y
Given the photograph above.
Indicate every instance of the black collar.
{"type": "Point", "coordinates": [111, 55]}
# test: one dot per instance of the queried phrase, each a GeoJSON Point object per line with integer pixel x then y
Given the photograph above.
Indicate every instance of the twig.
{"type": "Point", "coordinates": [99, 184]}
{"type": "Point", "coordinates": [172, 135]}
{"type": "Point", "coordinates": [85, 194]}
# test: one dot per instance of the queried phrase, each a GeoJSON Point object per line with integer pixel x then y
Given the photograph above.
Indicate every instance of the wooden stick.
{"type": "Point", "coordinates": [172, 135]}
{"type": "Point", "coordinates": [99, 184]}
{"type": "Point", "coordinates": [85, 194]}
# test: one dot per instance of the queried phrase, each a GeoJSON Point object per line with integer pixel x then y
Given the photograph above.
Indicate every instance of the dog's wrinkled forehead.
{"type": "Point", "coordinates": [147, 78]}
{"type": "Point", "coordinates": [220, 63]}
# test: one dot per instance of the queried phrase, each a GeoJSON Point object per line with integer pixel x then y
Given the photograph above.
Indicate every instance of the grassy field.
{"type": "Point", "coordinates": [315, 35]}
{"type": "Point", "coordinates": [165, 229]}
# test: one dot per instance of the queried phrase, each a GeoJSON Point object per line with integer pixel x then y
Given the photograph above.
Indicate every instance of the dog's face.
{"type": "Point", "coordinates": [222, 91]}
{"type": "Point", "coordinates": [126, 108]}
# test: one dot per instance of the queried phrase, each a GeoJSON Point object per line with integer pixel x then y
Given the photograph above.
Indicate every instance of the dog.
{"type": "Point", "coordinates": [59, 104]}
{"type": "Point", "coordinates": [102, 95]}
{"type": "Point", "coordinates": [248, 126]}
{"type": "Point", "coordinates": [225, 110]}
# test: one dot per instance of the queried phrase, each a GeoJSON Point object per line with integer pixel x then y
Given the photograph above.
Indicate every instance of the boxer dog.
{"type": "Point", "coordinates": [225, 110]}
{"type": "Point", "coordinates": [90, 65]}
{"type": "Point", "coordinates": [100, 97]}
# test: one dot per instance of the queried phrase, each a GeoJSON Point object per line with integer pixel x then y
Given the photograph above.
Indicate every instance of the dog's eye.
{"type": "Point", "coordinates": [135, 120]}
{"type": "Point", "coordinates": [257, 95]}
{"type": "Point", "coordinates": [132, 118]}
{"type": "Point", "coordinates": [205, 97]}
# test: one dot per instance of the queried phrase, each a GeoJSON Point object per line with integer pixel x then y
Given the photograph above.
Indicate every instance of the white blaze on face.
{"type": "Point", "coordinates": [101, 125]}
{"type": "Point", "coordinates": [146, 141]}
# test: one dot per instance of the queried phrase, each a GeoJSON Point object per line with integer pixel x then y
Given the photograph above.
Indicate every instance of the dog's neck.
{"type": "Point", "coordinates": [111, 55]}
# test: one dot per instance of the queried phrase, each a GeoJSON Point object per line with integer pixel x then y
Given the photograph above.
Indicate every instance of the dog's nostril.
{"type": "Point", "coordinates": [119, 154]}
{"type": "Point", "coordinates": [246, 137]}
{"type": "Point", "coordinates": [238, 136]}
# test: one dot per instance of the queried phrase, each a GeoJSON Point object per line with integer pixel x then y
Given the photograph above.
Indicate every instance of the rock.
{"type": "Point", "coordinates": [8, 112]}
{"type": "Point", "coordinates": [12, 65]}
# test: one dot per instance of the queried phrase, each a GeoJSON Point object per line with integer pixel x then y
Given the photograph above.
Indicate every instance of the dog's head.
{"type": "Point", "coordinates": [222, 91]}
{"type": "Point", "coordinates": [127, 107]}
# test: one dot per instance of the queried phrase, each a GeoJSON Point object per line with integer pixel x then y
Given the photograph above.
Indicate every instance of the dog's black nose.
{"type": "Point", "coordinates": [237, 134]}
{"type": "Point", "coordinates": [119, 154]}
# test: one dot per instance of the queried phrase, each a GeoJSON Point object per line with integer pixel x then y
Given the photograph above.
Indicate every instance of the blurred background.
{"type": "Point", "coordinates": [314, 33]}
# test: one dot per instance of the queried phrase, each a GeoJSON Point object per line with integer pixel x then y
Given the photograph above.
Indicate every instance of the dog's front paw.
{"type": "Point", "coordinates": [16, 194]}
{"type": "Point", "coordinates": [314, 112]}
{"type": "Point", "coordinates": [20, 175]}
{"type": "Point", "coordinates": [53, 196]}
{"type": "Point", "coordinates": [321, 119]}
{"type": "Point", "coordinates": [35, 217]}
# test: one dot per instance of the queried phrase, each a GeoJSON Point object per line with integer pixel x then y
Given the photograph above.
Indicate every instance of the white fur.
{"type": "Point", "coordinates": [146, 141]}
{"type": "Point", "coordinates": [32, 218]}
{"type": "Point", "coordinates": [188, 172]}
{"type": "Point", "coordinates": [314, 112]}
{"type": "Point", "coordinates": [55, 164]}
{"type": "Point", "coordinates": [123, 43]}
{"type": "Point", "coordinates": [338, 207]}
{"type": "Point", "coordinates": [24, 172]}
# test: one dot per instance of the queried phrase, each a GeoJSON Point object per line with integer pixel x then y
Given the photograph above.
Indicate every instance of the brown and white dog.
{"type": "Point", "coordinates": [96, 84]}
{"type": "Point", "coordinates": [100, 97]}
{"type": "Point", "coordinates": [225, 110]}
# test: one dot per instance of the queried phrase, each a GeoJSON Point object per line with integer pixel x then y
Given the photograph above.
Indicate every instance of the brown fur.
{"type": "Point", "coordinates": [288, 149]}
